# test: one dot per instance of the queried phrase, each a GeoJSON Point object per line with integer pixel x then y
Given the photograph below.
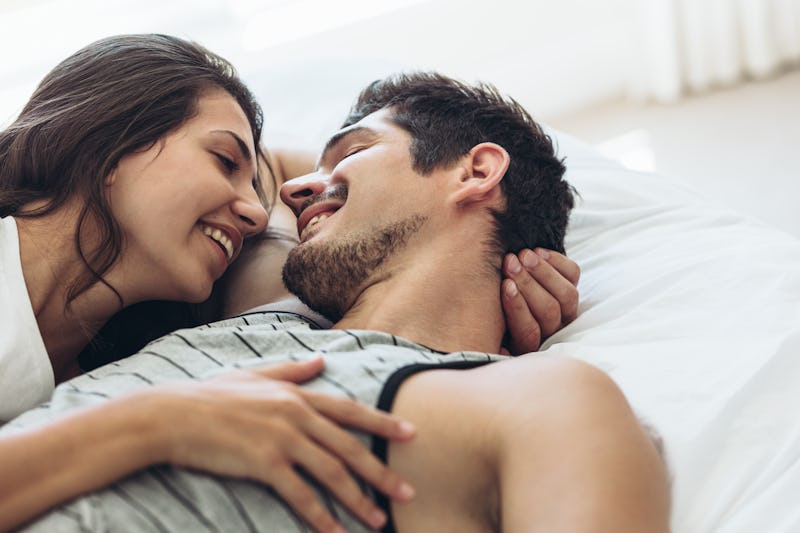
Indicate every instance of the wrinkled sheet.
{"type": "Point", "coordinates": [694, 310]}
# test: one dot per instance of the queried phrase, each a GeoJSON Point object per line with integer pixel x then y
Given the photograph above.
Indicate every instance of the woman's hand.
{"type": "Point", "coordinates": [540, 296]}
{"type": "Point", "coordinates": [258, 424]}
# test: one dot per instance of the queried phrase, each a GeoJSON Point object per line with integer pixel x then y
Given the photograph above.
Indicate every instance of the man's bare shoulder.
{"type": "Point", "coordinates": [542, 431]}
{"type": "Point", "coordinates": [561, 386]}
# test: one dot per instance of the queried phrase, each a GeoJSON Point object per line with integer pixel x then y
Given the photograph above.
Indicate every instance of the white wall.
{"type": "Point", "coordinates": [554, 57]}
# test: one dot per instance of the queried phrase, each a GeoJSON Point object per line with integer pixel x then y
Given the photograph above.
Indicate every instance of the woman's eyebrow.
{"type": "Point", "coordinates": [242, 145]}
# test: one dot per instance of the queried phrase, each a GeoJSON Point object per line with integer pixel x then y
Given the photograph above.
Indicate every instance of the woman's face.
{"type": "Point", "coordinates": [185, 204]}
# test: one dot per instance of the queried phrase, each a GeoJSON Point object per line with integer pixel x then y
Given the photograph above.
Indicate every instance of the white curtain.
{"type": "Point", "coordinates": [694, 45]}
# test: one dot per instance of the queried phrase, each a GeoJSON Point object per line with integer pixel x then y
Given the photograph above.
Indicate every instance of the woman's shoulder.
{"type": "Point", "coordinates": [26, 375]}
{"type": "Point", "coordinates": [13, 292]}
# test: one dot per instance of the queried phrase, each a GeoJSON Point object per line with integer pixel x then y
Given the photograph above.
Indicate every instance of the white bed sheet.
{"type": "Point", "coordinates": [694, 310]}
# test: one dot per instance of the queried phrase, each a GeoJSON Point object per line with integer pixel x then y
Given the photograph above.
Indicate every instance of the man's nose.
{"type": "Point", "coordinates": [294, 193]}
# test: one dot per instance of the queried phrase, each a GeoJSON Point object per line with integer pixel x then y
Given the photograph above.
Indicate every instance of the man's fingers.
{"type": "Point", "coordinates": [524, 331]}
{"type": "Point", "coordinates": [296, 371]}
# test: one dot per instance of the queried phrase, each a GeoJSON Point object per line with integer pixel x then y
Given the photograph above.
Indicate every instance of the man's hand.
{"type": "Point", "coordinates": [258, 424]}
{"type": "Point", "coordinates": [540, 296]}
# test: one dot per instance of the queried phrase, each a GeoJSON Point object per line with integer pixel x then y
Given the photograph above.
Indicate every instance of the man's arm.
{"type": "Point", "coordinates": [595, 466]}
{"type": "Point", "coordinates": [530, 444]}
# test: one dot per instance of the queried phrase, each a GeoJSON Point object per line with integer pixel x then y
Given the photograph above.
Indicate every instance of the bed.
{"type": "Point", "coordinates": [694, 310]}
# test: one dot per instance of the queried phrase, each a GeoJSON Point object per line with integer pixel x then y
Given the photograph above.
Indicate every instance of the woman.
{"type": "Point", "coordinates": [131, 175]}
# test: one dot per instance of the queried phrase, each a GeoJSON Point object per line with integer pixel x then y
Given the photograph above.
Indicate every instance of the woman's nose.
{"type": "Point", "coordinates": [251, 213]}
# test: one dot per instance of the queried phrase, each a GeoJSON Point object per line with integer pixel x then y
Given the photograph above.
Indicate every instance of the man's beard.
{"type": "Point", "coordinates": [328, 276]}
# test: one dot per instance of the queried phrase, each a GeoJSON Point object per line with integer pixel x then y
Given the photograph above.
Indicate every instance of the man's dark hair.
{"type": "Point", "coordinates": [446, 118]}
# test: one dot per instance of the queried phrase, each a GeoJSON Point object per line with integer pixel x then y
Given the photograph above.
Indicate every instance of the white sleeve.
{"type": "Point", "coordinates": [26, 374]}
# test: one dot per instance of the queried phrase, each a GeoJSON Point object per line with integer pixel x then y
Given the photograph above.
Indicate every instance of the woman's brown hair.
{"type": "Point", "coordinates": [113, 97]}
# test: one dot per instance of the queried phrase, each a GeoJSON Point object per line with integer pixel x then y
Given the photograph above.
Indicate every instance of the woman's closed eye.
{"type": "Point", "coordinates": [230, 165]}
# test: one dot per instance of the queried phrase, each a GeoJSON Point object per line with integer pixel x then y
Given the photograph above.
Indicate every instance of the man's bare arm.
{"type": "Point", "coordinates": [530, 444]}
{"type": "Point", "coordinates": [575, 458]}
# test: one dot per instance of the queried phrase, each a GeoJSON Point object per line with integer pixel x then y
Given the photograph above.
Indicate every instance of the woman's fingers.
{"type": "Point", "coordinates": [307, 439]}
{"type": "Point", "coordinates": [359, 416]}
{"type": "Point", "coordinates": [295, 371]}
{"type": "Point", "coordinates": [558, 275]}
{"type": "Point", "coordinates": [357, 457]}
{"type": "Point", "coordinates": [342, 410]}
{"type": "Point", "coordinates": [331, 472]}
{"type": "Point", "coordinates": [539, 296]}
{"type": "Point", "coordinates": [524, 332]}
{"type": "Point", "coordinates": [568, 268]}
{"type": "Point", "coordinates": [295, 427]}
{"type": "Point", "coordinates": [299, 495]}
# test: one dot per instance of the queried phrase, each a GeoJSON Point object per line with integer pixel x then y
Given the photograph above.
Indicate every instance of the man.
{"type": "Point", "coordinates": [403, 228]}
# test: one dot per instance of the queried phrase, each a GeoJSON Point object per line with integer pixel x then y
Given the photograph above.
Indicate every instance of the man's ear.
{"type": "Point", "coordinates": [483, 168]}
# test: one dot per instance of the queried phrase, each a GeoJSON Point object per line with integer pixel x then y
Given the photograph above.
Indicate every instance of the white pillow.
{"type": "Point", "coordinates": [695, 311]}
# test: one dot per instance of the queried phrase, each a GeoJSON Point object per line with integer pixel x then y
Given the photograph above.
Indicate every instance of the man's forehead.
{"type": "Point", "coordinates": [346, 133]}
{"type": "Point", "coordinates": [372, 124]}
{"type": "Point", "coordinates": [377, 119]}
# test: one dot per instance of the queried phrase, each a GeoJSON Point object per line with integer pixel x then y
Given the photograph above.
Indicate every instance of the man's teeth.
{"type": "Point", "coordinates": [316, 219]}
{"type": "Point", "coordinates": [221, 238]}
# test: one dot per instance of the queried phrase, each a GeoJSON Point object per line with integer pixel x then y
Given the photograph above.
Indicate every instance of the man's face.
{"type": "Point", "coordinates": [362, 206]}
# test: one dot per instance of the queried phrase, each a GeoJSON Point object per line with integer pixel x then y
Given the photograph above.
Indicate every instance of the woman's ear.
{"type": "Point", "coordinates": [111, 177]}
{"type": "Point", "coordinates": [483, 168]}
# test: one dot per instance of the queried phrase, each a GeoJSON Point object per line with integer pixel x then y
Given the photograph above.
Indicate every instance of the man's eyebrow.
{"type": "Point", "coordinates": [242, 145]}
{"type": "Point", "coordinates": [340, 136]}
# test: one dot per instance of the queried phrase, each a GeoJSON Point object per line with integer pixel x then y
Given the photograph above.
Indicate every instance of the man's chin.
{"type": "Point", "coordinates": [327, 274]}
{"type": "Point", "coordinates": [309, 275]}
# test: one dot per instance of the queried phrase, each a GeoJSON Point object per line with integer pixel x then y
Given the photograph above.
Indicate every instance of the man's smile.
{"type": "Point", "coordinates": [316, 205]}
{"type": "Point", "coordinates": [316, 213]}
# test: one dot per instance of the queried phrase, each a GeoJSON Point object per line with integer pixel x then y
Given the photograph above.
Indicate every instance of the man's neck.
{"type": "Point", "coordinates": [447, 308]}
